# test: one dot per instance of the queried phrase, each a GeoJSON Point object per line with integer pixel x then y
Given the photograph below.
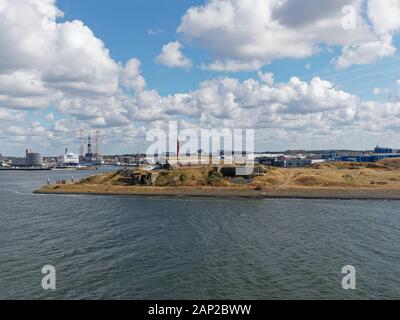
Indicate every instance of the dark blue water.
{"type": "Point", "coordinates": [155, 248]}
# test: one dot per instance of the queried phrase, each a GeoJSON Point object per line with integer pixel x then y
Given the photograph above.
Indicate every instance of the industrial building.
{"type": "Point", "coordinates": [18, 162]}
{"type": "Point", "coordinates": [31, 160]}
{"type": "Point", "coordinates": [300, 160]}
{"type": "Point", "coordinates": [383, 150]}
{"type": "Point", "coordinates": [379, 154]}
{"type": "Point", "coordinates": [288, 161]}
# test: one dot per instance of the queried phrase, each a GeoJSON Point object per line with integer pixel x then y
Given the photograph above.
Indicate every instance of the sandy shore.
{"type": "Point", "coordinates": [217, 192]}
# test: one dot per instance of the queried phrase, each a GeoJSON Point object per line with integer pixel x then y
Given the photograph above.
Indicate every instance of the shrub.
{"type": "Point", "coordinates": [215, 179]}
{"type": "Point", "coordinates": [183, 177]}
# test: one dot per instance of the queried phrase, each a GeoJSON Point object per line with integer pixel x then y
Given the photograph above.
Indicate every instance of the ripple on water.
{"type": "Point", "coordinates": [176, 248]}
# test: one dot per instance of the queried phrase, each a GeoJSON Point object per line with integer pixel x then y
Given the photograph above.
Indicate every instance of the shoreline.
{"type": "Point", "coordinates": [239, 193]}
{"type": "Point", "coordinates": [24, 169]}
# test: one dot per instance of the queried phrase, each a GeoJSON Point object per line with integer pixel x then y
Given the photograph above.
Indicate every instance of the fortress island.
{"type": "Point", "coordinates": [331, 180]}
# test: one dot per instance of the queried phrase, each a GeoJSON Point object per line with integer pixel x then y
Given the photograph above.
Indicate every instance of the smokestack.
{"type": "Point", "coordinates": [82, 142]}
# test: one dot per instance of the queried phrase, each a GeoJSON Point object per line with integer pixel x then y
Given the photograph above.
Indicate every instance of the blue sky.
{"type": "Point", "coordinates": [124, 27]}
{"type": "Point", "coordinates": [288, 69]}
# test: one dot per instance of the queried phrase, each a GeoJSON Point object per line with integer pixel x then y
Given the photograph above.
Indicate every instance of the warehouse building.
{"type": "Point", "coordinates": [31, 160]}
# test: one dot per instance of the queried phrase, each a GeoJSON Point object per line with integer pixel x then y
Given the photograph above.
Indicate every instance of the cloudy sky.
{"type": "Point", "coordinates": [304, 73]}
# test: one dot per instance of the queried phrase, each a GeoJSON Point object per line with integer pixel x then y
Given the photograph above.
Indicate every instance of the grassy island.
{"type": "Point", "coordinates": [334, 180]}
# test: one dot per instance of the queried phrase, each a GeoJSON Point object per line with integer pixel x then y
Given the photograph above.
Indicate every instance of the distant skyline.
{"type": "Point", "coordinates": [256, 151]}
{"type": "Point", "coordinates": [304, 74]}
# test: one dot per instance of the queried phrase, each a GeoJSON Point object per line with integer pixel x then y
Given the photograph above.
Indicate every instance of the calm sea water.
{"type": "Point", "coordinates": [157, 248]}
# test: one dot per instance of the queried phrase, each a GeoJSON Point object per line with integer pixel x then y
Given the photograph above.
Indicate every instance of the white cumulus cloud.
{"type": "Point", "coordinates": [171, 56]}
{"type": "Point", "coordinates": [247, 34]}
